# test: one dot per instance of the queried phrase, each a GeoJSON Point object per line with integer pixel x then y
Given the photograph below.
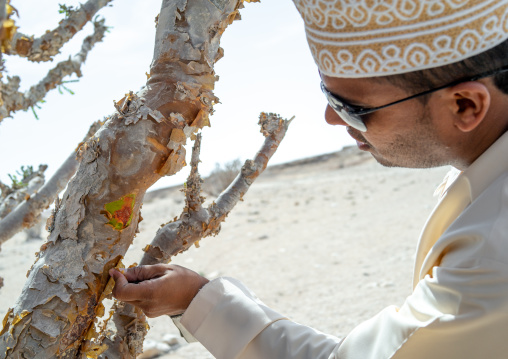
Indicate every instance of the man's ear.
{"type": "Point", "coordinates": [470, 102]}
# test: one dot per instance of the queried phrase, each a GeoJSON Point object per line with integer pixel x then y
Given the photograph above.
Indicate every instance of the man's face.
{"type": "Point", "coordinates": [403, 135]}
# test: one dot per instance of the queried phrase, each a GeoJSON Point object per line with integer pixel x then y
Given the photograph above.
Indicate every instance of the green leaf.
{"type": "Point", "coordinates": [35, 113]}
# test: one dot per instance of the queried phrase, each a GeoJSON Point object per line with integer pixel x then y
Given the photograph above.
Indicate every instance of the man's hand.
{"type": "Point", "coordinates": [157, 289]}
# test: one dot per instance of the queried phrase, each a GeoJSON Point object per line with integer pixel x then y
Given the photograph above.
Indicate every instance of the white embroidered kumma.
{"type": "Point", "coordinates": [366, 38]}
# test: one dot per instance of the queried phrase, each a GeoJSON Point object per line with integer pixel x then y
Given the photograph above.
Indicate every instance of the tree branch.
{"type": "Point", "coordinates": [25, 215]}
{"type": "Point", "coordinates": [11, 197]}
{"type": "Point", "coordinates": [13, 100]}
{"type": "Point", "coordinates": [193, 198]}
{"type": "Point", "coordinates": [48, 45]}
{"type": "Point", "coordinates": [194, 224]}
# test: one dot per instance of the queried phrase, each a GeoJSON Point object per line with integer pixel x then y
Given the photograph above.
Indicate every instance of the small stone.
{"type": "Point", "coordinates": [171, 339]}
{"type": "Point", "coordinates": [153, 349]}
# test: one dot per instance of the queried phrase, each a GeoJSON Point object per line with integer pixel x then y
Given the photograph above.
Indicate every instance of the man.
{"type": "Point", "coordinates": [418, 84]}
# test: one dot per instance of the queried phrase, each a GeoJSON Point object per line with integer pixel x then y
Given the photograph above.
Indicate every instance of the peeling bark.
{"type": "Point", "coordinates": [99, 212]}
{"type": "Point", "coordinates": [7, 26]}
{"type": "Point", "coordinates": [3, 16]}
{"type": "Point", "coordinates": [48, 45]}
{"type": "Point", "coordinates": [13, 100]}
{"type": "Point", "coordinates": [196, 222]}
{"type": "Point", "coordinates": [34, 202]}
{"type": "Point", "coordinates": [125, 341]}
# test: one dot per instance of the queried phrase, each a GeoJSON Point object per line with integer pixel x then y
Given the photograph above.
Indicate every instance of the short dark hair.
{"type": "Point", "coordinates": [420, 81]}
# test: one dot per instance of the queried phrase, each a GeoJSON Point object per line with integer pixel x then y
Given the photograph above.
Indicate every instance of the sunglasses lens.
{"type": "Point", "coordinates": [351, 119]}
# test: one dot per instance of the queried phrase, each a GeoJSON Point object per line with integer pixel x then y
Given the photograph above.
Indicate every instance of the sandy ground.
{"type": "Point", "coordinates": [327, 241]}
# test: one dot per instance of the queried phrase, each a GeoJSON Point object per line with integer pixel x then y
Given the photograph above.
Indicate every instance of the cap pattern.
{"type": "Point", "coordinates": [365, 38]}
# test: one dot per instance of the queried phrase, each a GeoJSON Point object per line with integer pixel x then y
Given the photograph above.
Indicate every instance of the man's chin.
{"type": "Point", "coordinates": [387, 163]}
{"type": "Point", "coordinates": [383, 161]}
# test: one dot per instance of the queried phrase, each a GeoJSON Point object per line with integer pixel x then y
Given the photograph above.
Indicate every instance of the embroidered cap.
{"type": "Point", "coordinates": [367, 38]}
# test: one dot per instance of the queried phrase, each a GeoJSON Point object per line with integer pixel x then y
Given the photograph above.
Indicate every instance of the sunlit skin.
{"type": "Point", "coordinates": [454, 127]}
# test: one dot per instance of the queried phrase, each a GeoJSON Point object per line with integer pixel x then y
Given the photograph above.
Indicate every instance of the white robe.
{"type": "Point", "coordinates": [458, 308]}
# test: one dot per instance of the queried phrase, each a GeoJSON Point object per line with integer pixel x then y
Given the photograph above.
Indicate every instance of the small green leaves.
{"type": "Point", "coordinates": [64, 9]}
{"type": "Point", "coordinates": [62, 86]}
{"type": "Point", "coordinates": [24, 175]}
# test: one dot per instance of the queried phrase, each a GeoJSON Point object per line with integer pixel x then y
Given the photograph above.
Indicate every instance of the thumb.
{"type": "Point", "coordinates": [123, 290]}
{"type": "Point", "coordinates": [120, 280]}
{"type": "Point", "coordinates": [120, 291]}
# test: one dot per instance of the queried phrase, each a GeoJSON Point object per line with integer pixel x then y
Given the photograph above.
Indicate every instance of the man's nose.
{"type": "Point", "coordinates": [333, 118]}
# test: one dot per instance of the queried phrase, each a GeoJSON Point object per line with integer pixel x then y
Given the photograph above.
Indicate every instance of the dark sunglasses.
{"type": "Point", "coordinates": [351, 114]}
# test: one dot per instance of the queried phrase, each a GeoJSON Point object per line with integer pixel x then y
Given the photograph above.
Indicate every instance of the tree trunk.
{"type": "Point", "coordinates": [99, 213]}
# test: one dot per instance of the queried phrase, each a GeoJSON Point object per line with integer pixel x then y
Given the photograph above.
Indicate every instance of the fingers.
{"type": "Point", "coordinates": [119, 278]}
{"type": "Point", "coordinates": [157, 289]}
{"type": "Point", "coordinates": [141, 273]}
{"type": "Point", "coordinates": [140, 294]}
{"type": "Point", "coordinates": [138, 283]}
{"type": "Point", "coordinates": [123, 290]}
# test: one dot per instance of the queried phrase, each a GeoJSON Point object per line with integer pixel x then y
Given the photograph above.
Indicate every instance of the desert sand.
{"type": "Point", "coordinates": [329, 241]}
